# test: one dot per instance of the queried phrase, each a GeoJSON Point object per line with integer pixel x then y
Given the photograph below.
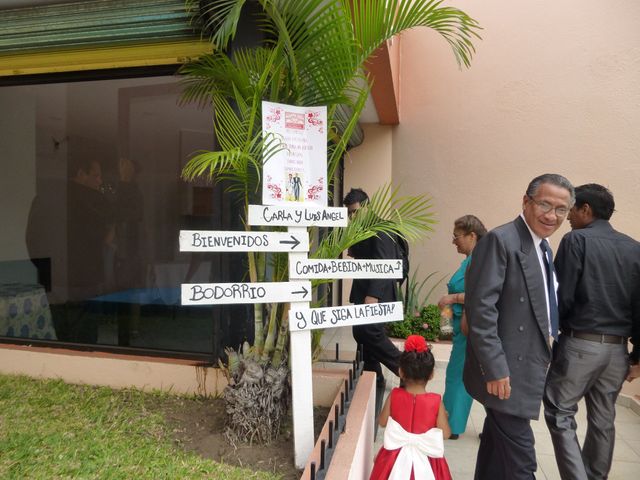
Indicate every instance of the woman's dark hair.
{"type": "Point", "coordinates": [599, 198]}
{"type": "Point", "coordinates": [470, 224]}
{"type": "Point", "coordinates": [417, 366]}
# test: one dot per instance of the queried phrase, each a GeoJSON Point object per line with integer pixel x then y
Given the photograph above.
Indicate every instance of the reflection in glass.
{"type": "Point", "coordinates": [94, 204]}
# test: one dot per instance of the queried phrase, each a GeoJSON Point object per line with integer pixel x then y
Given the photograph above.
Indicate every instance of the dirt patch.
{"type": "Point", "coordinates": [197, 425]}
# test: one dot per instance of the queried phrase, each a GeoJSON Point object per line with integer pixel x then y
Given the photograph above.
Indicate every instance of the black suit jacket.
{"type": "Point", "coordinates": [381, 247]}
{"type": "Point", "coordinates": [508, 322]}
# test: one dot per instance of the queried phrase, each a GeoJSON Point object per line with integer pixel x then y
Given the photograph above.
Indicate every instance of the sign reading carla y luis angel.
{"type": "Point", "coordinates": [264, 292]}
{"type": "Point", "coordinates": [221, 241]}
{"type": "Point", "coordinates": [297, 216]}
{"type": "Point", "coordinates": [345, 268]}
{"type": "Point", "coordinates": [330, 317]}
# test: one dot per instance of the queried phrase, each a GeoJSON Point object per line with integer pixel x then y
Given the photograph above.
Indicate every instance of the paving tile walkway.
{"type": "Point", "coordinates": [461, 453]}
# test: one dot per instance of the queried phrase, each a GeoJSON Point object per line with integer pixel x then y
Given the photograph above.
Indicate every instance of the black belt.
{"type": "Point", "coordinates": [595, 337]}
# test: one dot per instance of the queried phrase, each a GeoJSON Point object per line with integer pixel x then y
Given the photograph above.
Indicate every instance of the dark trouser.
{"type": "Point", "coordinates": [507, 448]}
{"type": "Point", "coordinates": [376, 348]}
{"type": "Point", "coordinates": [595, 371]}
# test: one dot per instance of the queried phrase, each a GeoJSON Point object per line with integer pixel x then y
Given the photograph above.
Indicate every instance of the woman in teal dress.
{"type": "Point", "coordinates": [467, 231]}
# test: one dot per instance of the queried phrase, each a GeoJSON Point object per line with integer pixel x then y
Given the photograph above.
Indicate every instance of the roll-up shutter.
{"type": "Point", "coordinates": [97, 34]}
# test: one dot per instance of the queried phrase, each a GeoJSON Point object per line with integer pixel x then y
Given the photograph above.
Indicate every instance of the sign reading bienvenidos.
{"type": "Point", "coordinates": [221, 241]}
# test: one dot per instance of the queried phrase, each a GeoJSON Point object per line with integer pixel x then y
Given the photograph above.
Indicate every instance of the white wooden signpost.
{"type": "Point", "coordinates": [219, 241]}
{"type": "Point", "coordinates": [263, 292]}
{"type": "Point", "coordinates": [331, 317]}
{"type": "Point", "coordinates": [297, 216]}
{"type": "Point", "coordinates": [345, 268]}
{"type": "Point", "coordinates": [294, 196]}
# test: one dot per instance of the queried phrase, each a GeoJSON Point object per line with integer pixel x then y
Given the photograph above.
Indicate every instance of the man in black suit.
{"type": "Point", "coordinates": [376, 346]}
{"type": "Point", "coordinates": [599, 303]}
{"type": "Point", "coordinates": [511, 310]}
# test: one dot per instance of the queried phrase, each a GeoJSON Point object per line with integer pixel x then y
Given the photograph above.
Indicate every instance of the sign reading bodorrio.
{"type": "Point", "coordinates": [297, 216]}
{"type": "Point", "coordinates": [345, 268]}
{"type": "Point", "coordinates": [220, 241]}
{"type": "Point", "coordinates": [265, 292]}
{"type": "Point", "coordinates": [313, 318]}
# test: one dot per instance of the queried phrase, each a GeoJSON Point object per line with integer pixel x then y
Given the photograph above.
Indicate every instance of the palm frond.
{"type": "Point", "coordinates": [378, 20]}
{"type": "Point", "coordinates": [409, 217]}
{"type": "Point", "coordinates": [212, 74]}
{"type": "Point", "coordinates": [221, 17]}
{"type": "Point", "coordinates": [313, 53]}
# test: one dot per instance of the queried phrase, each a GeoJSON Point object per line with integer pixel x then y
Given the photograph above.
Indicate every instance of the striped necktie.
{"type": "Point", "coordinates": [547, 256]}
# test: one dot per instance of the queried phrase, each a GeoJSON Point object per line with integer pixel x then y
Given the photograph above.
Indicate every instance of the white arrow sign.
{"type": "Point", "coordinates": [344, 268]}
{"type": "Point", "coordinates": [330, 317]}
{"type": "Point", "coordinates": [220, 241]}
{"type": "Point", "coordinates": [265, 292]}
{"type": "Point", "coordinates": [297, 216]}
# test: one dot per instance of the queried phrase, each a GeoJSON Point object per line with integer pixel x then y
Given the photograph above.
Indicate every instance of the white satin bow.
{"type": "Point", "coordinates": [414, 450]}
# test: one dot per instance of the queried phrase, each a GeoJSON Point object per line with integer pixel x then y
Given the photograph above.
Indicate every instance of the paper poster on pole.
{"type": "Point", "coordinates": [298, 173]}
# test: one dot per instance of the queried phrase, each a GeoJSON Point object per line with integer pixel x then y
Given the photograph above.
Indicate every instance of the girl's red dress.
{"type": "Point", "coordinates": [416, 414]}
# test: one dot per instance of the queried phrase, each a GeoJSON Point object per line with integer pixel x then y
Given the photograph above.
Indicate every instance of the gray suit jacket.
{"type": "Point", "coordinates": [508, 322]}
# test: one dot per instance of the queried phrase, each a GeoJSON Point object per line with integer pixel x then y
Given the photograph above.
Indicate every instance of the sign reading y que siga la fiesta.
{"type": "Point", "coordinates": [297, 216]}
{"type": "Point", "coordinates": [221, 241]}
{"type": "Point", "coordinates": [330, 317]}
{"type": "Point", "coordinates": [298, 172]}
{"type": "Point", "coordinates": [264, 292]}
{"type": "Point", "coordinates": [344, 268]}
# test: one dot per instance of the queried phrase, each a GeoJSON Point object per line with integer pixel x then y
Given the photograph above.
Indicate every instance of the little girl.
{"type": "Point", "coordinates": [416, 422]}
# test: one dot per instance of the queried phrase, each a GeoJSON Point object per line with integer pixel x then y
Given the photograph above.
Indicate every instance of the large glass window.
{"type": "Point", "coordinates": [91, 207]}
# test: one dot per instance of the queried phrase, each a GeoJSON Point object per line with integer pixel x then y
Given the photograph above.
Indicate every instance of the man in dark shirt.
{"type": "Point", "coordinates": [377, 348]}
{"type": "Point", "coordinates": [598, 272]}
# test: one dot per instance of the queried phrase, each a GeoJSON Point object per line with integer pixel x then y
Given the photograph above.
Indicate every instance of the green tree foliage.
{"type": "Point", "coordinates": [313, 53]}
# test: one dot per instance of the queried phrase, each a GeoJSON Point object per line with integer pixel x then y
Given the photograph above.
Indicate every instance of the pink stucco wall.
{"type": "Point", "coordinates": [549, 90]}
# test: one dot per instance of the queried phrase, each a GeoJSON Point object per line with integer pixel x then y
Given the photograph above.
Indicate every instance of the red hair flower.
{"type": "Point", "coordinates": [415, 343]}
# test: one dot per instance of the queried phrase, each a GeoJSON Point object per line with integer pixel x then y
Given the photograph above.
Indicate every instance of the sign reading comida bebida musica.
{"type": "Point", "coordinates": [298, 172]}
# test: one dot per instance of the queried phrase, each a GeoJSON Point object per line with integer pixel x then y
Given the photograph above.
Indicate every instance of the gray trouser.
{"type": "Point", "coordinates": [595, 371]}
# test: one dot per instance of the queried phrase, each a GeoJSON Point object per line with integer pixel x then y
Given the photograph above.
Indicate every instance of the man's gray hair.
{"type": "Point", "coordinates": [553, 179]}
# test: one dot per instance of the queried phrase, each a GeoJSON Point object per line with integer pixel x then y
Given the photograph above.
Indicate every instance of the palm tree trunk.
{"type": "Point", "coordinates": [272, 330]}
{"type": "Point", "coordinates": [283, 337]}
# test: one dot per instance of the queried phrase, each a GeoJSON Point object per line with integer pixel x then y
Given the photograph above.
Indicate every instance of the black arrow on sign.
{"type": "Point", "coordinates": [294, 242]}
{"type": "Point", "coordinates": [304, 292]}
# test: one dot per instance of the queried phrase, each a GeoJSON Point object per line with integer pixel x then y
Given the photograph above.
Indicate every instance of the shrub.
{"type": "Point", "coordinates": [414, 324]}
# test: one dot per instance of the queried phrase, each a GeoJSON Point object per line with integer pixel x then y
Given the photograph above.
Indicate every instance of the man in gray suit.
{"type": "Point", "coordinates": [510, 303]}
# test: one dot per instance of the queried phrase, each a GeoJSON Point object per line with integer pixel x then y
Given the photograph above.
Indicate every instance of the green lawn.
{"type": "Point", "coordinates": [49, 429]}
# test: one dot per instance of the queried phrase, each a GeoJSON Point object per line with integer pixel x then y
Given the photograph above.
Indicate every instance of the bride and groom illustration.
{"type": "Point", "coordinates": [294, 187]}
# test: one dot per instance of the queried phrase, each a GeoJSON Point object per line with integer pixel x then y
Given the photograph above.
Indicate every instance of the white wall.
{"type": "Point", "coordinates": [552, 88]}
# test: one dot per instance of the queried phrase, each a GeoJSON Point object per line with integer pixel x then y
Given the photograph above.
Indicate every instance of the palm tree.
{"type": "Point", "coordinates": [313, 53]}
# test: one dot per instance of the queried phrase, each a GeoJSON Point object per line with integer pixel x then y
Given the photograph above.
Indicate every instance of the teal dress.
{"type": "Point", "coordinates": [456, 400]}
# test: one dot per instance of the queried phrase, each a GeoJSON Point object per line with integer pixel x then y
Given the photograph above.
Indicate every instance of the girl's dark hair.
{"type": "Point", "coordinates": [417, 366]}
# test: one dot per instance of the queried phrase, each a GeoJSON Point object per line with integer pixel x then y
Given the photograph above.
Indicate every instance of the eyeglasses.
{"type": "Point", "coordinates": [455, 237]}
{"type": "Point", "coordinates": [547, 207]}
